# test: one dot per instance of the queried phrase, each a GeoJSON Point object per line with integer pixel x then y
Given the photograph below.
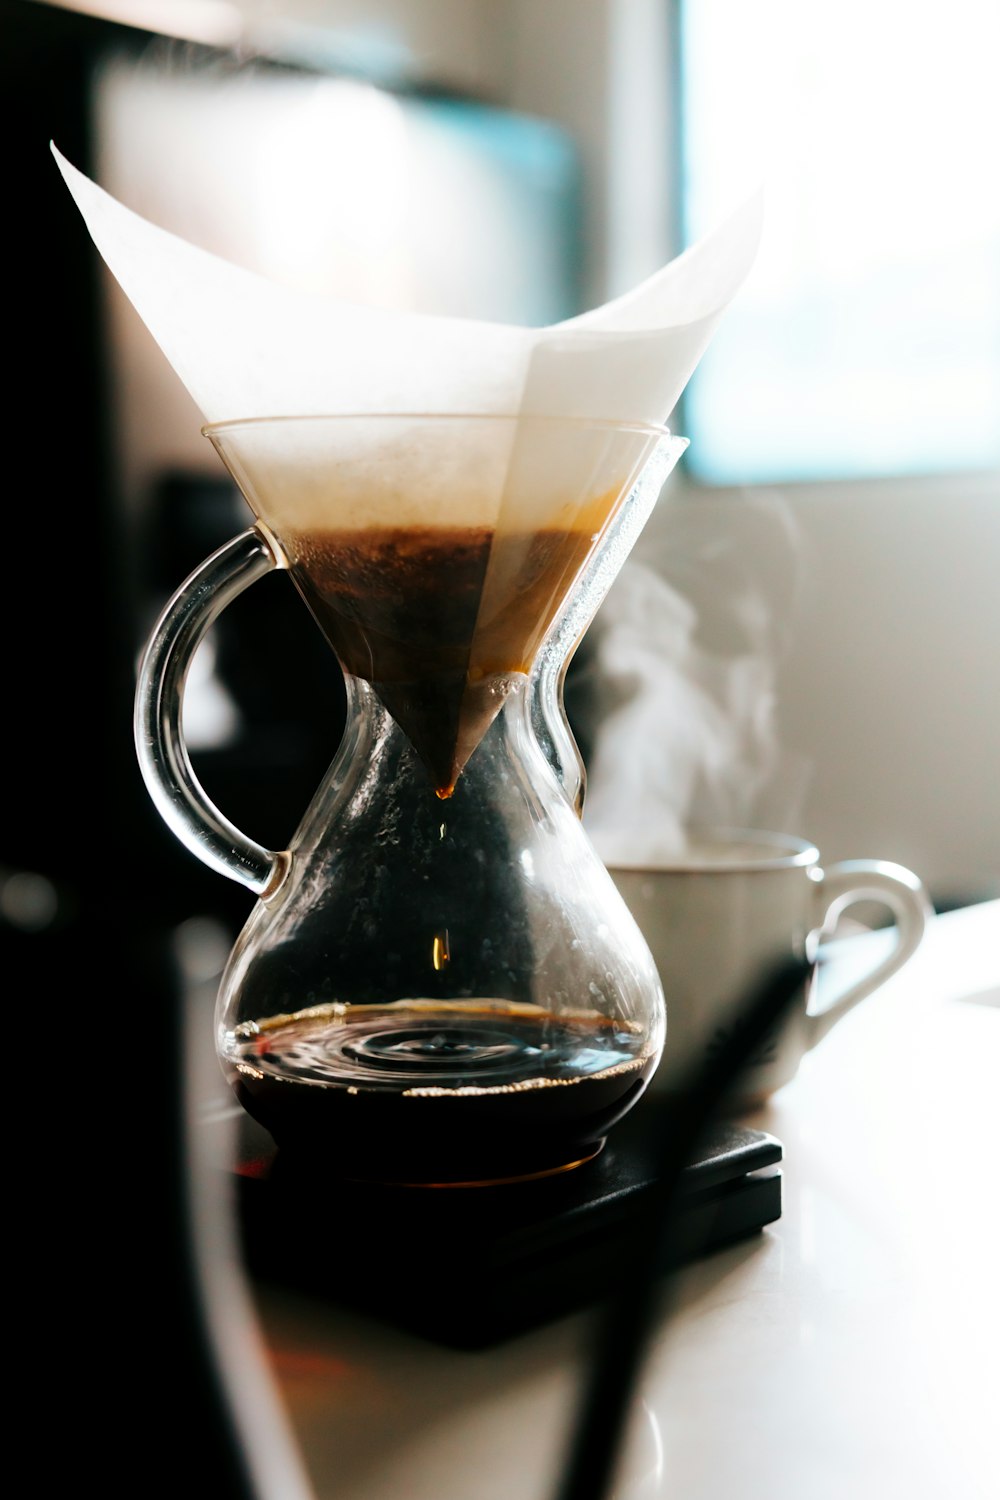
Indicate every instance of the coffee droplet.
{"type": "Point", "coordinates": [440, 952]}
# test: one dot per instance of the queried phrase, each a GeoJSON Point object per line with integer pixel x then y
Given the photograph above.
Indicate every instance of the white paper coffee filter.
{"type": "Point", "coordinates": [245, 346]}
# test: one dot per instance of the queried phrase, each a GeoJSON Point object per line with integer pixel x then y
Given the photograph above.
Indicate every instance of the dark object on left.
{"type": "Point", "coordinates": [108, 1321]}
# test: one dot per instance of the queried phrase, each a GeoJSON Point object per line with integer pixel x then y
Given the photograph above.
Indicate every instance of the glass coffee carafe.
{"type": "Point", "coordinates": [439, 983]}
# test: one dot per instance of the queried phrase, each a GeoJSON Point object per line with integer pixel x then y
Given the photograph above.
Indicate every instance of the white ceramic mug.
{"type": "Point", "coordinates": [736, 901]}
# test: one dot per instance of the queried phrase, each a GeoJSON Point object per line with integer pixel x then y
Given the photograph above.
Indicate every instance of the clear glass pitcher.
{"type": "Point", "coordinates": [439, 982]}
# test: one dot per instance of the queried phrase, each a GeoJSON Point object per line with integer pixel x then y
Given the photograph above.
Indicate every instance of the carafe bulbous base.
{"type": "Point", "coordinates": [441, 990]}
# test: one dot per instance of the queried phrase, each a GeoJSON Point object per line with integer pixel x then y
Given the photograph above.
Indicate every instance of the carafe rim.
{"type": "Point", "coordinates": [637, 425]}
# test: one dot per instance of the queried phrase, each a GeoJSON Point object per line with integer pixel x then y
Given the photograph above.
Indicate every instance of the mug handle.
{"type": "Point", "coordinates": [891, 885]}
{"type": "Point", "coordinates": [164, 761]}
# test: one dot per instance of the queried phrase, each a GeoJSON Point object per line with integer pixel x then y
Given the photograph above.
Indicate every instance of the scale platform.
{"type": "Point", "coordinates": [470, 1267]}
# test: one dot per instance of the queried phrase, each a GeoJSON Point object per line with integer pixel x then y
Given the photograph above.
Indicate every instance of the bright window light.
{"type": "Point", "coordinates": [867, 339]}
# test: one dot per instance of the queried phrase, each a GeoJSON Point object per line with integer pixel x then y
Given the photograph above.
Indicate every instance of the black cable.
{"type": "Point", "coordinates": [627, 1319]}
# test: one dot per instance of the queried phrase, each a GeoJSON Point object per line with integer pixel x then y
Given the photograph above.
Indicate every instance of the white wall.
{"type": "Point", "coordinates": [891, 688]}
{"type": "Point", "coordinates": [877, 629]}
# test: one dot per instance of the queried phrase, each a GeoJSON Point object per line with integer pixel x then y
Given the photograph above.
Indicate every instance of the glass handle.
{"type": "Point", "coordinates": [166, 767]}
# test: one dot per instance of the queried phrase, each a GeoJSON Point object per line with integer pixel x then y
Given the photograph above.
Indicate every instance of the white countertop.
{"type": "Point", "coordinates": [851, 1349]}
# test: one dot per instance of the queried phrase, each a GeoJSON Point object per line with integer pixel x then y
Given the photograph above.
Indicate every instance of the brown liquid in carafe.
{"type": "Point", "coordinates": [439, 620]}
{"type": "Point", "coordinates": [421, 1092]}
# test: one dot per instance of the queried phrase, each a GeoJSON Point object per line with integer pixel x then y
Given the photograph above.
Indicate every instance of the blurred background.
{"type": "Point", "coordinates": [808, 635]}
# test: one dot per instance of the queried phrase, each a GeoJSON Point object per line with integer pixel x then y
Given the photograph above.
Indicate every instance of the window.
{"type": "Point", "coordinates": [866, 341]}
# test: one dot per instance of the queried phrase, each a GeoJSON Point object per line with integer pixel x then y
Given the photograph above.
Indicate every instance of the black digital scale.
{"type": "Point", "coordinates": [469, 1267]}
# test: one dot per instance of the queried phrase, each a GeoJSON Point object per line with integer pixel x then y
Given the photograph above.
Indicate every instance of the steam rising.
{"type": "Point", "coordinates": [680, 687]}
